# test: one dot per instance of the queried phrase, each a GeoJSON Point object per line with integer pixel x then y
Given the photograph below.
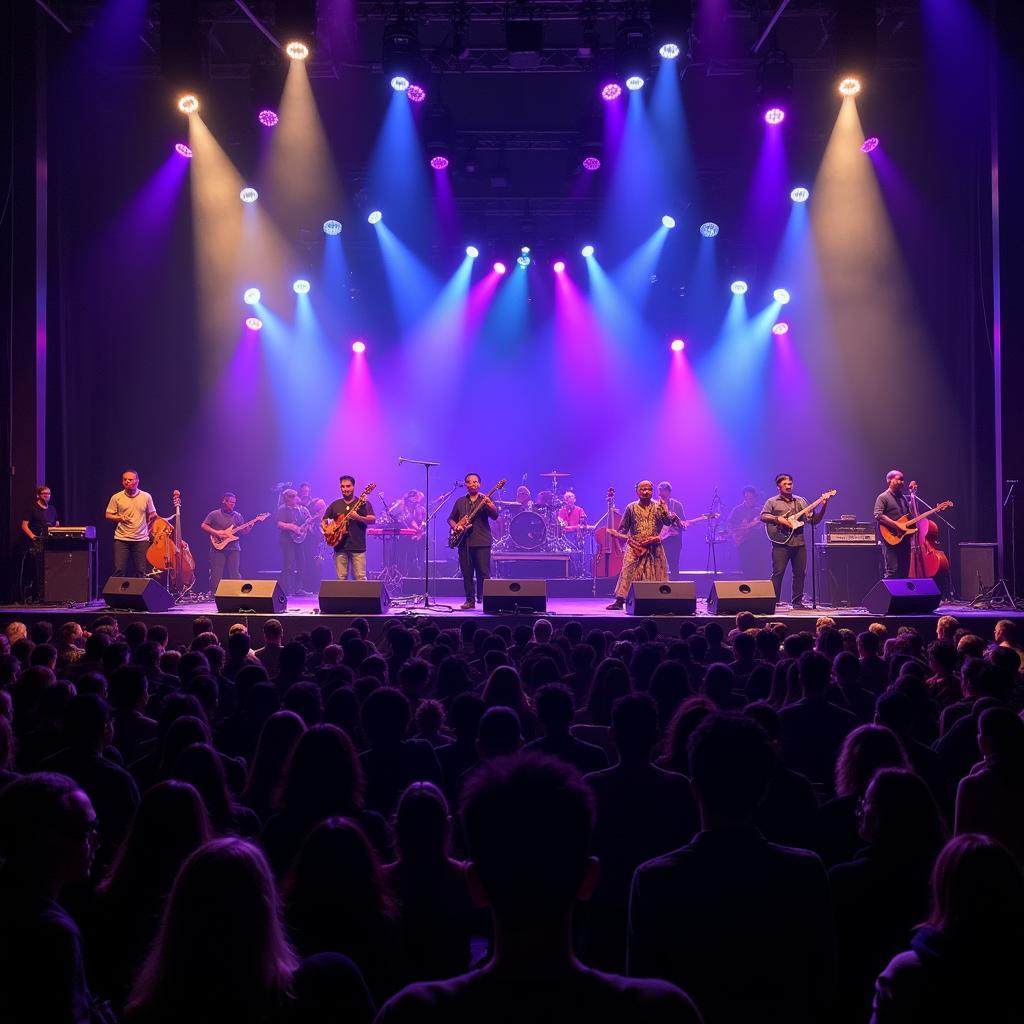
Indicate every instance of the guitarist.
{"type": "Point", "coordinates": [224, 565]}
{"type": "Point", "coordinates": [776, 515]}
{"type": "Point", "coordinates": [350, 551]}
{"type": "Point", "coordinates": [744, 525]}
{"type": "Point", "coordinates": [671, 536]}
{"type": "Point", "coordinates": [291, 517]}
{"type": "Point", "coordinates": [889, 506]}
{"type": "Point", "coordinates": [474, 550]}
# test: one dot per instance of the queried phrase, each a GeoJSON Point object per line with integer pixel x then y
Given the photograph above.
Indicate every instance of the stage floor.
{"type": "Point", "coordinates": [303, 614]}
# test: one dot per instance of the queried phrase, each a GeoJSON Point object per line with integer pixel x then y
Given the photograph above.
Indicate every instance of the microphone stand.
{"type": "Point", "coordinates": [426, 539]}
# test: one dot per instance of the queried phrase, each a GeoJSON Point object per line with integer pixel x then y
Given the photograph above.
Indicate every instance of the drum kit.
{"type": "Point", "coordinates": [536, 527]}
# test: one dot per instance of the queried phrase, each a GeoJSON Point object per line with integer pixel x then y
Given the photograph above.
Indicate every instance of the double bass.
{"type": "Point", "coordinates": [927, 559]}
{"type": "Point", "coordinates": [168, 552]}
{"type": "Point", "coordinates": [608, 560]}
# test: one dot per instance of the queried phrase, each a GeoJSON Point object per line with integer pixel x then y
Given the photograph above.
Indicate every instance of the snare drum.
{"type": "Point", "coordinates": [528, 531]}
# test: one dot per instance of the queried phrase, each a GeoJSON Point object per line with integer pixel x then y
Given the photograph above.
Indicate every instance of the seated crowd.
{"type": "Point", "coordinates": [510, 823]}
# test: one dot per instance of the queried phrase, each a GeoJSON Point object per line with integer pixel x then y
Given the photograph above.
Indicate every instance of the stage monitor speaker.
{"type": "Point", "coordinates": [138, 593]}
{"type": "Point", "coordinates": [977, 569]}
{"type": "Point", "coordinates": [260, 597]}
{"type": "Point", "coordinates": [903, 597]}
{"type": "Point", "coordinates": [353, 597]}
{"type": "Point", "coordinates": [728, 597]}
{"type": "Point", "coordinates": [515, 595]}
{"type": "Point", "coordinates": [648, 598]}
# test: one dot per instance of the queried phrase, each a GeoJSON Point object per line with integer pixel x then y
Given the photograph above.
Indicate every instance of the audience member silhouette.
{"type": "Point", "coordinates": [276, 743]}
{"type": "Point", "coordinates": [555, 712]}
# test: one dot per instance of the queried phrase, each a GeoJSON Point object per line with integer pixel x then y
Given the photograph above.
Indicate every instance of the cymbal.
{"type": "Point", "coordinates": [554, 473]}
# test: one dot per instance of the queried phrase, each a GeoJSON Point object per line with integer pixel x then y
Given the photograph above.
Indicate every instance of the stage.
{"type": "Point", "coordinates": [303, 614]}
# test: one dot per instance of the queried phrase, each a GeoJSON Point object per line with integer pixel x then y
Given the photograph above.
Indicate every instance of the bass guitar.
{"type": "Point", "coordinates": [907, 524]}
{"type": "Point", "coordinates": [460, 531]}
{"type": "Point", "coordinates": [782, 533]}
{"type": "Point", "coordinates": [220, 543]}
{"type": "Point", "coordinates": [336, 530]}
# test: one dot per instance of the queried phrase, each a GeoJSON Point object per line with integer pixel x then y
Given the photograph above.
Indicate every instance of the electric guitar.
{"type": "Point", "coordinates": [220, 543]}
{"type": "Point", "coordinates": [676, 528]}
{"type": "Point", "coordinates": [336, 530]}
{"type": "Point", "coordinates": [906, 524]}
{"type": "Point", "coordinates": [739, 533]}
{"type": "Point", "coordinates": [782, 533]}
{"type": "Point", "coordinates": [460, 531]}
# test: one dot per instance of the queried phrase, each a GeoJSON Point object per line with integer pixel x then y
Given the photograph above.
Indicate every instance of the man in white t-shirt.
{"type": "Point", "coordinates": [133, 511]}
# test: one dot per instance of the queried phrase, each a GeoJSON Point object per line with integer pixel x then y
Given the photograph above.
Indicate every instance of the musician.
{"type": "Point", "coordinates": [224, 564]}
{"type": "Point", "coordinates": [523, 497]}
{"type": "Point", "coordinates": [38, 518]}
{"type": "Point", "coordinates": [409, 513]}
{"type": "Point", "coordinates": [475, 550]}
{"type": "Point", "coordinates": [350, 551]}
{"type": "Point", "coordinates": [641, 526]}
{"type": "Point", "coordinates": [291, 517]}
{"type": "Point", "coordinates": [133, 511]}
{"type": "Point", "coordinates": [313, 559]}
{"type": "Point", "coordinates": [794, 551]}
{"type": "Point", "coordinates": [744, 525]}
{"type": "Point", "coordinates": [572, 517]}
{"type": "Point", "coordinates": [671, 536]}
{"type": "Point", "coordinates": [889, 506]}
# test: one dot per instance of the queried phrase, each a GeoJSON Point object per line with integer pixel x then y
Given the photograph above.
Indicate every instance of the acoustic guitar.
{"type": "Point", "coordinates": [220, 543]}
{"type": "Point", "coordinates": [907, 524]}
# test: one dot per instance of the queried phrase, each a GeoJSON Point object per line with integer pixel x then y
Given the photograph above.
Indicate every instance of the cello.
{"type": "Point", "coordinates": [927, 559]}
{"type": "Point", "coordinates": [169, 553]}
{"type": "Point", "coordinates": [608, 560]}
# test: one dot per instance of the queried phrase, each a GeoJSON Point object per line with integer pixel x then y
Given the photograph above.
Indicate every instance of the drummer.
{"type": "Point", "coordinates": [571, 516]}
{"type": "Point", "coordinates": [523, 498]}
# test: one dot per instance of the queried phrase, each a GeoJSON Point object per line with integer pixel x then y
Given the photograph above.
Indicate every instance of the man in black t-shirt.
{"type": "Point", "coordinates": [350, 552]}
{"type": "Point", "coordinates": [475, 549]}
{"type": "Point", "coordinates": [291, 517]}
{"type": "Point", "coordinates": [38, 518]}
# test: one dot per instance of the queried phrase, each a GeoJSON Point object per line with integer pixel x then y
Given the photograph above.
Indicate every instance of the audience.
{"type": "Point", "coordinates": [707, 884]}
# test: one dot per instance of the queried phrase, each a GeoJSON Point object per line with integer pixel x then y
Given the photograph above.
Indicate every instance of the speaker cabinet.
{"type": "Point", "coordinates": [69, 574]}
{"type": "Point", "coordinates": [977, 569]}
{"type": "Point", "coordinates": [353, 597]}
{"type": "Point", "coordinates": [850, 570]}
{"type": "Point", "coordinates": [515, 595]}
{"type": "Point", "coordinates": [903, 597]}
{"type": "Point", "coordinates": [137, 593]}
{"type": "Point", "coordinates": [675, 598]}
{"type": "Point", "coordinates": [728, 597]}
{"type": "Point", "coordinates": [257, 596]}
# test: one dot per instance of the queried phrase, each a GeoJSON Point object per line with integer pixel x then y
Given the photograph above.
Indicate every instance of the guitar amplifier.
{"type": "Point", "coordinates": [849, 571]}
{"type": "Point", "coordinates": [849, 531]}
{"type": "Point", "coordinates": [530, 565]}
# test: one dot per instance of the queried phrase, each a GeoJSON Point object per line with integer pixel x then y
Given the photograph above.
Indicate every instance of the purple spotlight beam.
{"type": "Point", "coordinates": [611, 91]}
{"type": "Point", "coordinates": [870, 144]}
{"type": "Point", "coordinates": [267, 118]}
{"type": "Point", "coordinates": [591, 163]}
{"type": "Point", "coordinates": [439, 162]}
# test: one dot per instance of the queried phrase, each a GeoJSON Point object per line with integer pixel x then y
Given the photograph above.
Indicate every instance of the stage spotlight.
{"type": "Point", "coordinates": [181, 52]}
{"type": "Point", "coordinates": [781, 296]}
{"type": "Point", "coordinates": [439, 162]}
{"type": "Point", "coordinates": [358, 346]}
{"type": "Point", "coordinates": [800, 194]}
{"type": "Point", "coordinates": [400, 53]}
{"type": "Point", "coordinates": [709, 229]}
{"type": "Point", "coordinates": [523, 261]}
{"type": "Point", "coordinates": [472, 251]}
{"type": "Point", "coordinates": [267, 118]}
{"type": "Point", "coordinates": [774, 86]}
{"type": "Point", "coordinates": [248, 194]}
{"type": "Point", "coordinates": [591, 163]}
{"type": "Point", "coordinates": [295, 21]}
{"type": "Point", "coordinates": [300, 286]}
{"type": "Point", "coordinates": [869, 145]}
{"type": "Point", "coordinates": [375, 217]}
{"type": "Point", "coordinates": [416, 93]}
{"type": "Point", "coordinates": [669, 51]}
{"type": "Point", "coordinates": [182, 150]}
{"type": "Point", "coordinates": [634, 82]}
{"type": "Point", "coordinates": [525, 250]}
{"type": "Point", "coordinates": [671, 21]}
{"type": "Point", "coordinates": [500, 268]}
{"type": "Point", "coordinates": [587, 251]}
{"type": "Point", "coordinates": [678, 345]}
{"type": "Point", "coordinates": [254, 323]}
{"type": "Point", "coordinates": [780, 328]}
{"type": "Point", "coordinates": [632, 52]}
{"type": "Point", "coordinates": [559, 266]}
{"type": "Point", "coordinates": [668, 222]}
{"type": "Point", "coordinates": [189, 103]}
{"type": "Point", "coordinates": [738, 287]}
{"type": "Point", "coordinates": [854, 38]}
{"type": "Point", "coordinates": [849, 86]}
{"type": "Point", "coordinates": [296, 50]}
{"type": "Point", "coordinates": [332, 227]}
{"type": "Point", "coordinates": [400, 83]}
{"type": "Point", "coordinates": [774, 115]}
{"type": "Point", "coordinates": [611, 91]}
{"type": "Point", "coordinates": [251, 296]}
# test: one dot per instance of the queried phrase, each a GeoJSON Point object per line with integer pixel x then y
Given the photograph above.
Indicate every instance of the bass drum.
{"type": "Point", "coordinates": [528, 531]}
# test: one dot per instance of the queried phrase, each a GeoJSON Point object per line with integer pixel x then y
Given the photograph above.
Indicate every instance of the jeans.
{"type": "Point", "coordinates": [673, 548]}
{"type": "Point", "coordinates": [224, 566]}
{"type": "Point", "coordinates": [133, 550]}
{"type": "Point", "coordinates": [355, 559]}
{"type": "Point", "coordinates": [783, 555]}
{"type": "Point", "coordinates": [292, 565]}
{"type": "Point", "coordinates": [474, 561]}
{"type": "Point", "coordinates": [897, 560]}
